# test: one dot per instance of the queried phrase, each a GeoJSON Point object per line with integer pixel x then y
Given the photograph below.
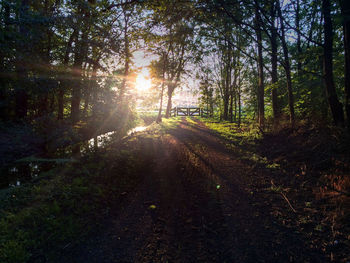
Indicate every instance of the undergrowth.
{"type": "Point", "coordinates": [39, 220]}
{"type": "Point", "coordinates": [307, 165]}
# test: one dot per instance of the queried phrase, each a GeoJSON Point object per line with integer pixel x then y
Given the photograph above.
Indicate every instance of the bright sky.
{"type": "Point", "coordinates": [142, 60]}
{"type": "Point", "coordinates": [183, 95]}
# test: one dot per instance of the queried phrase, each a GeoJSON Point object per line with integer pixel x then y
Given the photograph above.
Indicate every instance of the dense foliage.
{"type": "Point", "coordinates": [278, 59]}
{"type": "Point", "coordinates": [65, 63]}
{"type": "Point", "coordinates": [72, 60]}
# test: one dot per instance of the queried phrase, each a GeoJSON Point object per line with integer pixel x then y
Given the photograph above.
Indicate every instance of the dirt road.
{"type": "Point", "coordinates": [197, 205]}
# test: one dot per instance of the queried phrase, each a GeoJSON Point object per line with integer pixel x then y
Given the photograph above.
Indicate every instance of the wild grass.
{"type": "Point", "coordinates": [38, 220]}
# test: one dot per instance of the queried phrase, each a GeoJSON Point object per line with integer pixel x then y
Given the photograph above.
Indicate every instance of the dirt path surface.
{"type": "Point", "coordinates": [197, 205]}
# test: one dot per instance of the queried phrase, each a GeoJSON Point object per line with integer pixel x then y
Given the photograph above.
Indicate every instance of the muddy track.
{"type": "Point", "coordinates": [197, 205]}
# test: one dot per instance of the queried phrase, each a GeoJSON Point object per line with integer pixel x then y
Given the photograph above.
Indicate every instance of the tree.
{"type": "Point", "coordinates": [258, 26]}
{"type": "Point", "coordinates": [286, 65]}
{"type": "Point", "coordinates": [345, 10]}
{"type": "Point", "coordinates": [334, 104]}
{"type": "Point", "coordinates": [172, 35]}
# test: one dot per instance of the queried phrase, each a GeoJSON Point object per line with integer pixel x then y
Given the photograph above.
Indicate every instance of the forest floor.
{"type": "Point", "coordinates": [209, 199]}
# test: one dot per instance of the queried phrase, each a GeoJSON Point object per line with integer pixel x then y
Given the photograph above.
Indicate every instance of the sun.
{"type": "Point", "coordinates": [143, 82]}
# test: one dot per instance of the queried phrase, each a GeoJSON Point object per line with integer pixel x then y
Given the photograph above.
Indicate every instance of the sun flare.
{"type": "Point", "coordinates": [143, 82]}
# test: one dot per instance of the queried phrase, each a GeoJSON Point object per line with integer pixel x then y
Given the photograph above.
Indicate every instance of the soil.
{"type": "Point", "coordinates": [200, 203]}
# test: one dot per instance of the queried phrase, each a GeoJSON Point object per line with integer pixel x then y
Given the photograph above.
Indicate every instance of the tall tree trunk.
{"type": "Point", "coordinates": [227, 85]}
{"type": "Point", "coordinates": [235, 116]}
{"type": "Point", "coordinates": [52, 102]}
{"type": "Point", "coordinates": [77, 75]}
{"type": "Point", "coordinates": [80, 54]}
{"type": "Point", "coordinates": [43, 106]}
{"type": "Point", "coordinates": [234, 86]}
{"type": "Point", "coordinates": [239, 101]}
{"type": "Point", "coordinates": [159, 118]}
{"type": "Point", "coordinates": [165, 60]}
{"type": "Point", "coordinates": [87, 96]}
{"type": "Point", "coordinates": [169, 105]}
{"type": "Point", "coordinates": [21, 98]}
{"type": "Point", "coordinates": [63, 81]}
{"type": "Point", "coordinates": [334, 104]}
{"type": "Point", "coordinates": [231, 106]}
{"type": "Point", "coordinates": [127, 57]}
{"type": "Point", "coordinates": [60, 103]}
{"type": "Point", "coordinates": [345, 6]}
{"type": "Point", "coordinates": [21, 95]}
{"type": "Point", "coordinates": [297, 25]}
{"type": "Point", "coordinates": [3, 78]}
{"type": "Point", "coordinates": [261, 110]}
{"type": "Point", "coordinates": [79, 57]}
{"type": "Point", "coordinates": [211, 102]}
{"type": "Point", "coordinates": [226, 101]}
{"type": "Point", "coordinates": [94, 91]}
{"type": "Point", "coordinates": [274, 75]}
{"type": "Point", "coordinates": [287, 67]}
{"type": "Point", "coordinates": [174, 82]}
{"type": "Point", "coordinates": [88, 86]}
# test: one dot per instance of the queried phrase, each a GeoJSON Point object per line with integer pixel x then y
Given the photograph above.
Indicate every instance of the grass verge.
{"type": "Point", "coordinates": [304, 175]}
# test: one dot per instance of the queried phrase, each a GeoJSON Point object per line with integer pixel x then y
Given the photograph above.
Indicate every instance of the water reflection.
{"type": "Point", "coordinates": [137, 129]}
{"type": "Point", "coordinates": [25, 171]}
{"type": "Point", "coordinates": [100, 140]}
{"type": "Point", "coordinates": [22, 172]}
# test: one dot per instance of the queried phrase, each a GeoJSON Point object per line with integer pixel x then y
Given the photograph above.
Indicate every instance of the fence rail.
{"type": "Point", "coordinates": [188, 111]}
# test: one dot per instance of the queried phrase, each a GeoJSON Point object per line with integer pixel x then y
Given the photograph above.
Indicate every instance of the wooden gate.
{"type": "Point", "coordinates": [186, 111]}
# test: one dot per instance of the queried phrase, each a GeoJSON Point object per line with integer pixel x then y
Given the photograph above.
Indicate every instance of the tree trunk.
{"type": "Point", "coordinates": [345, 6]}
{"type": "Point", "coordinates": [235, 116]}
{"type": "Point", "coordinates": [52, 103]}
{"type": "Point", "coordinates": [60, 103]}
{"type": "Point", "coordinates": [165, 58]}
{"type": "Point", "coordinates": [159, 118]}
{"type": "Point", "coordinates": [261, 110]}
{"type": "Point", "coordinates": [21, 95]}
{"type": "Point", "coordinates": [287, 67]}
{"type": "Point", "coordinates": [3, 78]}
{"type": "Point", "coordinates": [169, 105]}
{"type": "Point", "coordinates": [226, 108]}
{"type": "Point", "coordinates": [297, 25]}
{"type": "Point", "coordinates": [87, 99]}
{"type": "Point", "coordinates": [21, 99]}
{"type": "Point", "coordinates": [43, 106]}
{"type": "Point", "coordinates": [76, 89]}
{"type": "Point", "coordinates": [63, 80]}
{"type": "Point", "coordinates": [334, 104]}
{"type": "Point", "coordinates": [127, 57]}
{"type": "Point", "coordinates": [80, 54]}
{"type": "Point", "coordinates": [274, 75]}
{"type": "Point", "coordinates": [231, 106]}
{"type": "Point", "coordinates": [239, 101]}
